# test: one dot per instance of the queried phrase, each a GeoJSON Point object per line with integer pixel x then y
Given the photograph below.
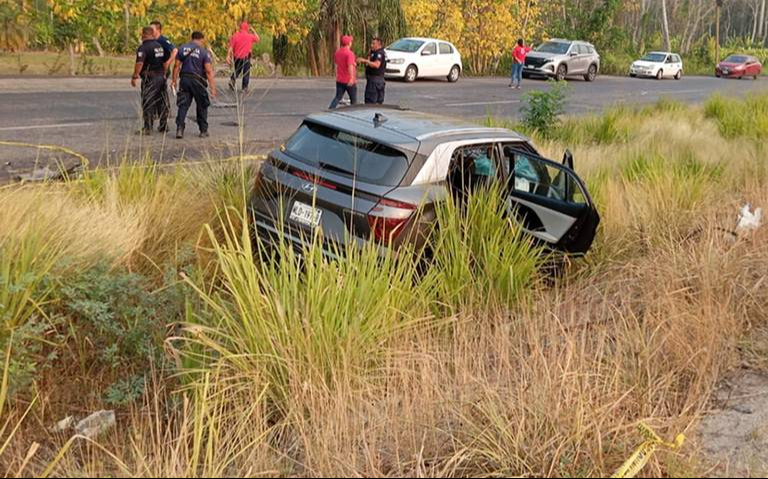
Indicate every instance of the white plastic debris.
{"type": "Point", "coordinates": [96, 424]}
{"type": "Point", "coordinates": [64, 425]}
{"type": "Point", "coordinates": [749, 220]}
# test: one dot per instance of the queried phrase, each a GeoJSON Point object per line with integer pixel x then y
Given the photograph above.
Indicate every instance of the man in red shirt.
{"type": "Point", "coordinates": [346, 72]}
{"type": "Point", "coordinates": [518, 60]}
{"type": "Point", "coordinates": [240, 48]}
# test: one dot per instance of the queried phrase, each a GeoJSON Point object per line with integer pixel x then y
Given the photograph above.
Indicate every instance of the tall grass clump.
{"type": "Point", "coordinates": [739, 118]}
{"type": "Point", "coordinates": [482, 258]}
{"type": "Point", "coordinates": [301, 314]}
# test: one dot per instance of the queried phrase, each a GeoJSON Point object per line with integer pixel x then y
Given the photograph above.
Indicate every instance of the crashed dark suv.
{"type": "Point", "coordinates": [377, 173]}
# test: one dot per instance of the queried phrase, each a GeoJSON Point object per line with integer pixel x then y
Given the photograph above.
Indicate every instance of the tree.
{"type": "Point", "coordinates": [484, 30]}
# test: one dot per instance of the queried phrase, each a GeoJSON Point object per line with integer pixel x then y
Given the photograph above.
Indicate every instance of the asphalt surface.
{"type": "Point", "coordinates": [98, 117]}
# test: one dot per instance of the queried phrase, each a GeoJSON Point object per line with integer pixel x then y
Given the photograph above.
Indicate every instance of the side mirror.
{"type": "Point", "coordinates": [568, 159]}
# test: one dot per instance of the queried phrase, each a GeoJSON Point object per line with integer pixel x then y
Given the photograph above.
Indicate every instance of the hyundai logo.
{"type": "Point", "coordinates": [309, 187]}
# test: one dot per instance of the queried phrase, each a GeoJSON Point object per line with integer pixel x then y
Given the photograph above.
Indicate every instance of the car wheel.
{"type": "Point", "coordinates": [679, 75]}
{"type": "Point", "coordinates": [660, 74]}
{"type": "Point", "coordinates": [453, 76]}
{"type": "Point", "coordinates": [562, 71]}
{"type": "Point", "coordinates": [411, 73]}
{"type": "Point", "coordinates": [591, 73]}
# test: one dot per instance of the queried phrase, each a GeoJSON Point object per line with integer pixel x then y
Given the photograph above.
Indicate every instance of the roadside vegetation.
{"type": "Point", "coordinates": [136, 289]}
{"type": "Point", "coordinates": [302, 35]}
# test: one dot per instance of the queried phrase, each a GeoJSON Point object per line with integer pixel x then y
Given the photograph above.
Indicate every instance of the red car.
{"type": "Point", "coordinates": [739, 66]}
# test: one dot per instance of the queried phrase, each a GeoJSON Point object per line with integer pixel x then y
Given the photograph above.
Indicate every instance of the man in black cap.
{"type": "Point", "coordinates": [375, 66]}
{"type": "Point", "coordinates": [193, 66]}
{"type": "Point", "coordinates": [150, 68]}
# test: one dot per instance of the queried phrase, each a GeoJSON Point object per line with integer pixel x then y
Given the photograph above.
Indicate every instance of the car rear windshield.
{"type": "Point", "coordinates": [406, 45]}
{"type": "Point", "coordinates": [654, 57]}
{"type": "Point", "coordinates": [559, 48]}
{"type": "Point", "coordinates": [736, 59]}
{"type": "Point", "coordinates": [347, 154]}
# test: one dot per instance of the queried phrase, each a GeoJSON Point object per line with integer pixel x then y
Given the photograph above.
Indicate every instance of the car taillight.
{"type": "Point", "coordinates": [387, 228]}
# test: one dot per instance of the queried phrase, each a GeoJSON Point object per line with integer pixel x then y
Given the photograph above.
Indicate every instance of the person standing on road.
{"type": "Point", "coordinates": [169, 55]}
{"type": "Point", "coordinates": [194, 67]}
{"type": "Point", "coordinates": [149, 67]}
{"type": "Point", "coordinates": [346, 72]}
{"type": "Point", "coordinates": [518, 61]}
{"type": "Point", "coordinates": [240, 50]}
{"type": "Point", "coordinates": [375, 67]}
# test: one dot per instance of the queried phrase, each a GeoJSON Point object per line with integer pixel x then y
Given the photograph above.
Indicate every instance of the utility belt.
{"type": "Point", "coordinates": [194, 76]}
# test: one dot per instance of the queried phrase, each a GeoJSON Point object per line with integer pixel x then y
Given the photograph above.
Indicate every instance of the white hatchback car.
{"type": "Point", "coordinates": [412, 58]}
{"type": "Point", "coordinates": [658, 65]}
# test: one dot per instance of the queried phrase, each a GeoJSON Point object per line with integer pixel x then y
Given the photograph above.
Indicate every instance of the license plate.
{"type": "Point", "coordinates": [306, 215]}
{"type": "Point", "coordinates": [726, 71]}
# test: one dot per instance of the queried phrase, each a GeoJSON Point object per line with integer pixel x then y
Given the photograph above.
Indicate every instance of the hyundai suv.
{"type": "Point", "coordinates": [376, 173]}
{"type": "Point", "coordinates": [559, 59]}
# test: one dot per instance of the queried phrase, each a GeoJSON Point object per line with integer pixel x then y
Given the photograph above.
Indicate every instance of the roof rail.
{"type": "Point", "coordinates": [361, 106]}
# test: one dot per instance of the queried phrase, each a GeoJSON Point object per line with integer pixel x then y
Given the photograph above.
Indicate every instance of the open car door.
{"type": "Point", "coordinates": [549, 200]}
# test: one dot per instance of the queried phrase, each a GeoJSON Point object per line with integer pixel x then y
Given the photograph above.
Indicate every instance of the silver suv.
{"type": "Point", "coordinates": [378, 173]}
{"type": "Point", "coordinates": [559, 59]}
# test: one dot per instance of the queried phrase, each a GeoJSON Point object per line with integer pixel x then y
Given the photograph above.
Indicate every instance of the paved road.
{"type": "Point", "coordinates": [98, 117]}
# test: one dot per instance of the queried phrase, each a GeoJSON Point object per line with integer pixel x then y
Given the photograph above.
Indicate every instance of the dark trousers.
{"type": "Point", "coordinates": [374, 90]}
{"type": "Point", "coordinates": [242, 70]}
{"type": "Point", "coordinates": [192, 88]}
{"type": "Point", "coordinates": [341, 89]}
{"type": "Point", "coordinates": [154, 101]}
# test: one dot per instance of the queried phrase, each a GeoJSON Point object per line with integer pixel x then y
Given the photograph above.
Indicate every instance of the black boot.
{"type": "Point", "coordinates": [204, 134]}
{"type": "Point", "coordinates": [180, 132]}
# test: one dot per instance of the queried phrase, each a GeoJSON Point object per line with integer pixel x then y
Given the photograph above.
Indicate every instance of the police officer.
{"type": "Point", "coordinates": [149, 67]}
{"type": "Point", "coordinates": [193, 66]}
{"type": "Point", "coordinates": [375, 66]}
{"type": "Point", "coordinates": [169, 55]}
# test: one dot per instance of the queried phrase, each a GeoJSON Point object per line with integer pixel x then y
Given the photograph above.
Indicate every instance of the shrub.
{"type": "Point", "coordinates": [542, 111]}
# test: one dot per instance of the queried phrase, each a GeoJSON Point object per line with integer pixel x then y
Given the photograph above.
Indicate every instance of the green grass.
{"type": "Point", "coordinates": [58, 64]}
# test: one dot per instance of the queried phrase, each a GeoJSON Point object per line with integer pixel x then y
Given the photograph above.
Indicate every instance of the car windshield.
{"type": "Point", "coordinates": [654, 57]}
{"type": "Point", "coordinates": [347, 154]}
{"type": "Point", "coordinates": [736, 59]}
{"type": "Point", "coordinates": [559, 48]}
{"type": "Point", "coordinates": [406, 45]}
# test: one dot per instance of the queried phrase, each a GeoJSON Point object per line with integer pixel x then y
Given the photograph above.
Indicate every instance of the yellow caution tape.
{"type": "Point", "coordinates": [62, 149]}
{"type": "Point", "coordinates": [643, 454]}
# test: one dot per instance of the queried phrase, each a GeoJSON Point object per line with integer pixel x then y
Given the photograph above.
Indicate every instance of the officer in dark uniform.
{"type": "Point", "coordinates": [169, 55]}
{"type": "Point", "coordinates": [149, 67]}
{"type": "Point", "coordinates": [375, 66]}
{"type": "Point", "coordinates": [193, 66]}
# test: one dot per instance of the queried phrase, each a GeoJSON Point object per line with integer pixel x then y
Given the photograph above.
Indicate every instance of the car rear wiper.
{"type": "Point", "coordinates": [334, 168]}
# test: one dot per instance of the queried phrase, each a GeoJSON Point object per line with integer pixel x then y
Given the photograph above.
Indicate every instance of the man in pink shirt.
{"type": "Point", "coordinates": [240, 48]}
{"type": "Point", "coordinates": [518, 61]}
{"type": "Point", "coordinates": [346, 72]}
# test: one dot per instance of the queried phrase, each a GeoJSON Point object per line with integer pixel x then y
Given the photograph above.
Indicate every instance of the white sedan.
{"type": "Point", "coordinates": [658, 65]}
{"type": "Point", "coordinates": [412, 58]}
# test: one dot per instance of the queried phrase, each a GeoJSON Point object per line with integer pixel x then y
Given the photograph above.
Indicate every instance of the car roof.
{"type": "Point", "coordinates": [406, 129]}
{"type": "Point", "coordinates": [662, 53]}
{"type": "Point", "coordinates": [564, 40]}
{"type": "Point", "coordinates": [424, 39]}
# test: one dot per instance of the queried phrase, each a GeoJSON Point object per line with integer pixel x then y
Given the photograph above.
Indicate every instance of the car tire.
{"type": "Point", "coordinates": [679, 75]}
{"type": "Point", "coordinates": [411, 74]}
{"type": "Point", "coordinates": [453, 76]}
{"type": "Point", "coordinates": [562, 72]}
{"type": "Point", "coordinates": [591, 73]}
{"type": "Point", "coordinates": [660, 74]}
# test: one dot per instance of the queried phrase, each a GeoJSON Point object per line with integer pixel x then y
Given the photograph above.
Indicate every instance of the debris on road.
{"type": "Point", "coordinates": [64, 425]}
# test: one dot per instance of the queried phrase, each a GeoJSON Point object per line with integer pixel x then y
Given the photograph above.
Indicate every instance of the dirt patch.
{"type": "Point", "coordinates": [734, 436]}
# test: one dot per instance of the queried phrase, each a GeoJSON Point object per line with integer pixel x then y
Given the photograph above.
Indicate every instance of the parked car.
{"type": "Point", "coordinates": [412, 58]}
{"type": "Point", "coordinates": [658, 65]}
{"type": "Point", "coordinates": [739, 66]}
{"type": "Point", "coordinates": [559, 59]}
{"type": "Point", "coordinates": [378, 173]}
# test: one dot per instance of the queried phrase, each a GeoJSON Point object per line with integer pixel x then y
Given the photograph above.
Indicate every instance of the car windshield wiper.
{"type": "Point", "coordinates": [334, 168]}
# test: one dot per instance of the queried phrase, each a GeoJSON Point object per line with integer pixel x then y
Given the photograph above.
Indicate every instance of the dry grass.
{"type": "Point", "coordinates": [551, 385]}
